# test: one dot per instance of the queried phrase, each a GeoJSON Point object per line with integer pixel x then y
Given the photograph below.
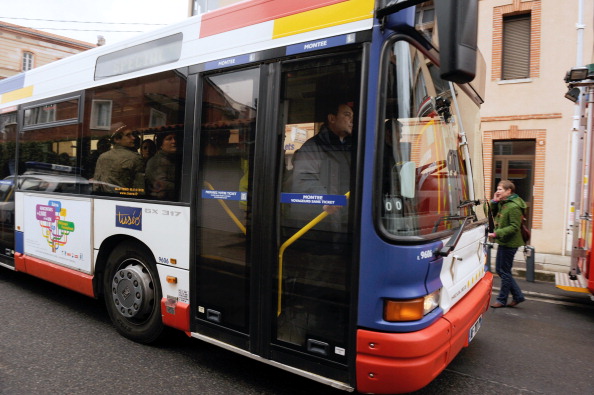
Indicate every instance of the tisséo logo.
{"type": "Point", "coordinates": [128, 217]}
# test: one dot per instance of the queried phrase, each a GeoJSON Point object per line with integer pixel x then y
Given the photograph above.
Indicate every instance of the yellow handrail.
{"type": "Point", "coordinates": [290, 241]}
{"type": "Point", "coordinates": [9, 195]}
{"type": "Point", "coordinates": [227, 209]}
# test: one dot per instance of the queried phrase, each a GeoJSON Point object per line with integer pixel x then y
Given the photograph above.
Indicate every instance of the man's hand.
{"type": "Point", "coordinates": [331, 209]}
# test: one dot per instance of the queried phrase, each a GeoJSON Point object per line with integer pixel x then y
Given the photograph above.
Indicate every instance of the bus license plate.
{"type": "Point", "coordinates": [475, 328]}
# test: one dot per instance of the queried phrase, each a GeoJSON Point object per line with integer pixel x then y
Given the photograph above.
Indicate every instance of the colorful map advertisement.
{"type": "Point", "coordinates": [59, 231]}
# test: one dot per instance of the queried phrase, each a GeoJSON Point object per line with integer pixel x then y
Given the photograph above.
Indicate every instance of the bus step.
{"type": "Point", "coordinates": [317, 347]}
{"type": "Point", "coordinates": [565, 283]}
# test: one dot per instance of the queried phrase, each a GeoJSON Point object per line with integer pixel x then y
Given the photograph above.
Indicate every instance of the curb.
{"type": "Point", "coordinates": [538, 275]}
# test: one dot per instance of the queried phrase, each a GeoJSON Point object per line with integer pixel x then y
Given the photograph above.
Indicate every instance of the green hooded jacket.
{"type": "Point", "coordinates": [508, 220]}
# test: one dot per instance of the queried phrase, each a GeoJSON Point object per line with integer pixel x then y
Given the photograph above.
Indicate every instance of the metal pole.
{"type": "Point", "coordinates": [489, 247]}
{"type": "Point", "coordinates": [529, 257]}
{"type": "Point", "coordinates": [575, 175]}
{"type": "Point", "coordinates": [587, 141]}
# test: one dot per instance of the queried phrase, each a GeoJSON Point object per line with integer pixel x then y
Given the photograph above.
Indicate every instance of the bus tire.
{"type": "Point", "coordinates": [132, 293]}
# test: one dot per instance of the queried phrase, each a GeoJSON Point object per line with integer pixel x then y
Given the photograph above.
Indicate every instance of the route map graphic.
{"type": "Point", "coordinates": [53, 226]}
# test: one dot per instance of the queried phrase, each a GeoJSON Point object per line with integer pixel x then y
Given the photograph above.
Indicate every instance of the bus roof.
{"type": "Point", "coordinates": [222, 36]}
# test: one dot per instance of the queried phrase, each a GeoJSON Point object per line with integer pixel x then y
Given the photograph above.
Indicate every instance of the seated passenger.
{"type": "Point", "coordinates": [161, 169]}
{"type": "Point", "coordinates": [147, 150]}
{"type": "Point", "coordinates": [90, 160]}
{"type": "Point", "coordinates": [120, 170]}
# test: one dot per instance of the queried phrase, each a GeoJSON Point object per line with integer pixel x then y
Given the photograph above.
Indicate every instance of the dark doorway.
{"type": "Point", "coordinates": [514, 160]}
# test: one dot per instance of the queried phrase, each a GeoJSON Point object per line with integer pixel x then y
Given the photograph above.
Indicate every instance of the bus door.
{"type": "Point", "coordinates": [318, 106]}
{"type": "Point", "coordinates": [274, 231]}
{"type": "Point", "coordinates": [223, 268]}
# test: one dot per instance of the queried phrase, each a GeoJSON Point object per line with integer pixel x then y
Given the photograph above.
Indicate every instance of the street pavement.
{"type": "Point", "coordinates": [52, 341]}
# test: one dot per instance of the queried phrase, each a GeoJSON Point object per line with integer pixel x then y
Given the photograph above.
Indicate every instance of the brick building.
{"type": "Point", "coordinates": [527, 122]}
{"type": "Point", "coordinates": [23, 48]}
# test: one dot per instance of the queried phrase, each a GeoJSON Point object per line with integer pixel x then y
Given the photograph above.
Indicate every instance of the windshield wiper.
{"type": "Point", "coordinates": [451, 244]}
{"type": "Point", "coordinates": [450, 218]}
{"type": "Point", "coordinates": [469, 203]}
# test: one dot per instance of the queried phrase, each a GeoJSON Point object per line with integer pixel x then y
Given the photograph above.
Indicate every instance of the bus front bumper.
{"type": "Point", "coordinates": [389, 363]}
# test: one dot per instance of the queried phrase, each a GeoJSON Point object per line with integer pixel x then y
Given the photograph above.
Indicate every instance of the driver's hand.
{"type": "Point", "coordinates": [331, 209]}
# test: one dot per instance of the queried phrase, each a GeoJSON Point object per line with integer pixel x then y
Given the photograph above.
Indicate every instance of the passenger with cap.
{"type": "Point", "coordinates": [120, 170]}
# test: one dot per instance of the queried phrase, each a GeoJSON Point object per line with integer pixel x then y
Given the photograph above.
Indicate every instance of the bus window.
{"type": "Point", "coordinates": [423, 174]}
{"type": "Point", "coordinates": [122, 119]}
{"type": "Point", "coordinates": [7, 144]}
{"type": "Point", "coordinates": [66, 110]}
{"type": "Point", "coordinates": [49, 143]}
{"type": "Point", "coordinates": [7, 174]}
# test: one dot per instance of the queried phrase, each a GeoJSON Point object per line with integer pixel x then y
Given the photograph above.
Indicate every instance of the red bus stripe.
{"type": "Point", "coordinates": [176, 315]}
{"type": "Point", "coordinates": [409, 361]}
{"type": "Point", "coordinates": [254, 12]}
{"type": "Point", "coordinates": [67, 278]}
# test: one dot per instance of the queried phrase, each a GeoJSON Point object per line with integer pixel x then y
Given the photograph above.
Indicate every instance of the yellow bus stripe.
{"type": "Point", "coordinates": [333, 15]}
{"type": "Point", "coordinates": [17, 94]}
{"type": "Point", "coordinates": [573, 289]}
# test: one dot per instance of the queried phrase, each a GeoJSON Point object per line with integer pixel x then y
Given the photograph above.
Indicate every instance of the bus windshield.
{"type": "Point", "coordinates": [423, 175]}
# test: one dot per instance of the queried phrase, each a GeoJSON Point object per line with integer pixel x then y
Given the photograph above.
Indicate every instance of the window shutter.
{"type": "Point", "coordinates": [516, 47]}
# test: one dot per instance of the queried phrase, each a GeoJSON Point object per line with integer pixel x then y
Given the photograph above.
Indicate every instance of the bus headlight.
{"type": "Point", "coordinates": [431, 302]}
{"type": "Point", "coordinates": [412, 309]}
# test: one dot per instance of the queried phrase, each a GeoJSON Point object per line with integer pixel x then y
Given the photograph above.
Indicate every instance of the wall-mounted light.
{"type": "Point", "coordinates": [573, 94]}
{"type": "Point", "coordinates": [576, 74]}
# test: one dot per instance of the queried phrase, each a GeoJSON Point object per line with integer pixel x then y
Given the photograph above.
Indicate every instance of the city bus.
{"type": "Point", "coordinates": [313, 198]}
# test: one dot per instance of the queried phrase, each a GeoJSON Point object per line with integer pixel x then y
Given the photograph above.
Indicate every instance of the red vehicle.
{"type": "Point", "coordinates": [580, 277]}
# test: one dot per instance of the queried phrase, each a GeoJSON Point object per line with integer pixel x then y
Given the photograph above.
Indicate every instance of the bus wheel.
{"type": "Point", "coordinates": [133, 294]}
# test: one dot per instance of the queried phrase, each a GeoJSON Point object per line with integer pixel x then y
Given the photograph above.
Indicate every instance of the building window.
{"type": "Point", "coordinates": [202, 6]}
{"type": "Point", "coordinates": [425, 20]}
{"type": "Point", "coordinates": [27, 61]}
{"type": "Point", "coordinates": [157, 118]}
{"type": "Point", "coordinates": [101, 114]}
{"type": "Point", "coordinates": [516, 47]}
{"type": "Point", "coordinates": [63, 111]}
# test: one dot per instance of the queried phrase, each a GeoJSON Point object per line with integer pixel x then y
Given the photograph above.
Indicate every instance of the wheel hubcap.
{"type": "Point", "coordinates": [132, 291]}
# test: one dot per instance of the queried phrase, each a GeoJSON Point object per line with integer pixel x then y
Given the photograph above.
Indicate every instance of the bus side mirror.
{"type": "Point", "coordinates": [407, 180]}
{"type": "Point", "coordinates": [457, 23]}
